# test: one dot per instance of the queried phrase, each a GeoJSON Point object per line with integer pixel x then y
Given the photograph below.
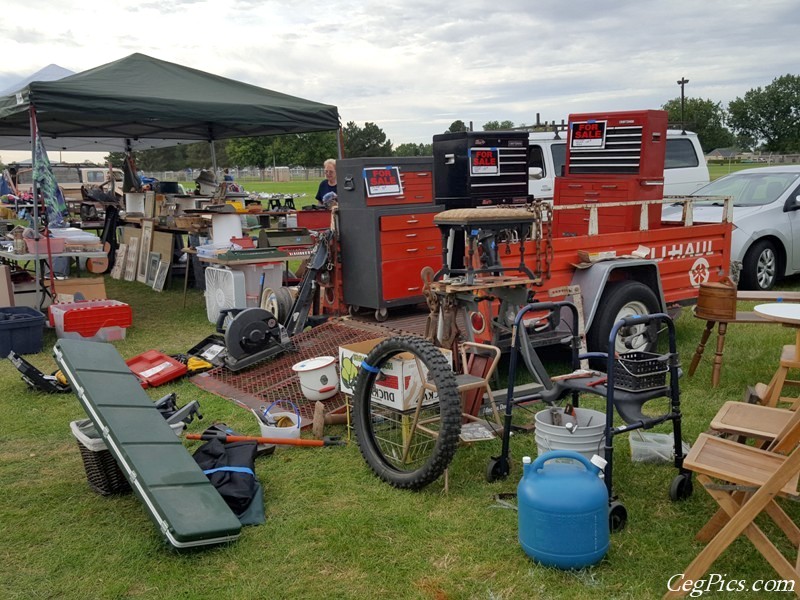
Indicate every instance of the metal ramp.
{"type": "Point", "coordinates": [185, 507]}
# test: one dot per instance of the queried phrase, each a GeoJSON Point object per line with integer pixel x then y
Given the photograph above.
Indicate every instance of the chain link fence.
{"type": "Point", "coordinates": [270, 174]}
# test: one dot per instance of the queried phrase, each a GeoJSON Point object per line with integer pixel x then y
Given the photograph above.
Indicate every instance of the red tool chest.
{"type": "Point", "coordinates": [612, 157]}
{"type": "Point", "coordinates": [387, 236]}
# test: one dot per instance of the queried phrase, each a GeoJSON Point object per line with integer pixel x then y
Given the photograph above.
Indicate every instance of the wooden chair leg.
{"type": "Point", "coordinates": [717, 370]}
{"type": "Point", "coordinates": [775, 386]}
{"type": "Point", "coordinates": [698, 353]}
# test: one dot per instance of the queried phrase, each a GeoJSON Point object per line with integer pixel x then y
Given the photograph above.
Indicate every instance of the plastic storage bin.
{"type": "Point", "coordinates": [57, 245]}
{"type": "Point", "coordinates": [154, 368]}
{"type": "Point", "coordinates": [651, 447]}
{"type": "Point", "coordinates": [95, 320]}
{"type": "Point", "coordinates": [20, 330]}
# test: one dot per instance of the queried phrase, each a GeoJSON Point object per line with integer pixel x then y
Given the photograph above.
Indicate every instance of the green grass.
{"type": "Point", "coordinates": [715, 171]}
{"type": "Point", "coordinates": [333, 529]}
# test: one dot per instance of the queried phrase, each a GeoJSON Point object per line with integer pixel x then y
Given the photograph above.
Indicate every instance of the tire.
{"type": "Point", "coordinates": [624, 299]}
{"type": "Point", "coordinates": [760, 267]}
{"type": "Point", "coordinates": [284, 301]}
{"type": "Point", "coordinates": [383, 434]}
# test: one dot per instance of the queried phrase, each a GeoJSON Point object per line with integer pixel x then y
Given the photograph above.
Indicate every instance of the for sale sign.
{"type": "Point", "coordinates": [383, 181]}
{"type": "Point", "coordinates": [588, 134]}
{"type": "Point", "coordinates": [484, 161]}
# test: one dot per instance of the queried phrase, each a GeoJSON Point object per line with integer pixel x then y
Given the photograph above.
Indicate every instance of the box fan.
{"type": "Point", "coordinates": [224, 289]}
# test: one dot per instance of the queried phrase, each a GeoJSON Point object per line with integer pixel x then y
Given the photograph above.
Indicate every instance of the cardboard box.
{"type": "Point", "coordinates": [80, 288]}
{"type": "Point", "coordinates": [397, 386]}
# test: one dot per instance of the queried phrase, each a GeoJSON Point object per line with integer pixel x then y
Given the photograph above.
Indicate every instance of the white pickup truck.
{"type": "Point", "coordinates": [685, 167]}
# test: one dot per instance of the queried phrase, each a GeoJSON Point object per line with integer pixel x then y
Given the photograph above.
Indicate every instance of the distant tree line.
{"type": "Point", "coordinates": [765, 119]}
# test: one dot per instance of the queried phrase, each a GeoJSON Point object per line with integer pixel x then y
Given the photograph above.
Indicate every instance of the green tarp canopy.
{"type": "Point", "coordinates": [150, 103]}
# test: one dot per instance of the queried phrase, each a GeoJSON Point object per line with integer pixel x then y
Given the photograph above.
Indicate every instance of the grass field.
{"type": "Point", "coordinates": [334, 530]}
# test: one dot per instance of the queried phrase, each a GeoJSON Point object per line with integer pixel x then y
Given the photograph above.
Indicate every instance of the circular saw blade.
{"type": "Point", "coordinates": [251, 331]}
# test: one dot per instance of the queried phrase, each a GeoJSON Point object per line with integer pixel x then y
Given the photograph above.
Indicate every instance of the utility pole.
{"type": "Point", "coordinates": [682, 82]}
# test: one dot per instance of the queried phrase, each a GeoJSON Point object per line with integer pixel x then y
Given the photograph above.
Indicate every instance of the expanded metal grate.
{"type": "Point", "coordinates": [274, 379]}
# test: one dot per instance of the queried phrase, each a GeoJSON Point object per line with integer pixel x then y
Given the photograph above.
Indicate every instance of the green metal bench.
{"type": "Point", "coordinates": [184, 505]}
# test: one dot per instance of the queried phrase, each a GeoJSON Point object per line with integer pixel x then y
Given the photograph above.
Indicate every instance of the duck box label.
{"type": "Point", "coordinates": [399, 383]}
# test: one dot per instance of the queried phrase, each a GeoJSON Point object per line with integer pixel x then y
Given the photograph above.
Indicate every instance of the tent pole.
{"type": "Point", "coordinates": [37, 267]}
{"type": "Point", "coordinates": [339, 143]}
{"type": "Point", "coordinates": [213, 156]}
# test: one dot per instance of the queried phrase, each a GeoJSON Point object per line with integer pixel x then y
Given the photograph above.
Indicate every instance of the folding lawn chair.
{"type": "Point", "coordinates": [745, 481]}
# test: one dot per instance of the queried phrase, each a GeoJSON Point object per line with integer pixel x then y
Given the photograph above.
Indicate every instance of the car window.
{"type": "Point", "coordinates": [679, 154]}
{"type": "Point", "coordinates": [66, 175]}
{"type": "Point", "coordinates": [536, 159]}
{"type": "Point", "coordinates": [559, 158]}
{"type": "Point", "coordinates": [750, 188]}
{"type": "Point", "coordinates": [95, 176]}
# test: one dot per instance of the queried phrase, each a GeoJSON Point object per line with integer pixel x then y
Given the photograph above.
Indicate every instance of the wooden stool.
{"type": "Point", "coordinates": [716, 303]}
{"type": "Point", "coordinates": [739, 317]}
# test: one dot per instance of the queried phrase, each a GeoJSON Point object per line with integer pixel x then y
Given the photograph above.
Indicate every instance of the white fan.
{"type": "Point", "coordinates": [224, 289]}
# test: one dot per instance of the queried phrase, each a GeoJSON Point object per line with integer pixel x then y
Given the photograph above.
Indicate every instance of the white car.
{"type": "Point", "coordinates": [766, 219]}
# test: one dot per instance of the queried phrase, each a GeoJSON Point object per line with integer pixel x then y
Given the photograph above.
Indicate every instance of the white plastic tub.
{"type": "Point", "coordinates": [318, 378]}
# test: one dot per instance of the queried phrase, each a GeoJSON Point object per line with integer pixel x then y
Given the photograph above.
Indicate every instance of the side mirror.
{"type": "Point", "coordinates": [535, 172]}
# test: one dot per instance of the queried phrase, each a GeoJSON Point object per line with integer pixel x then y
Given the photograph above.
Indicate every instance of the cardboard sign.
{"type": "Point", "coordinates": [484, 161]}
{"type": "Point", "coordinates": [382, 181]}
{"type": "Point", "coordinates": [588, 134]}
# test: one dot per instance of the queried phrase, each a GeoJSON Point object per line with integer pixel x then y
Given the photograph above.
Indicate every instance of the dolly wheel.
{"type": "Point", "coordinates": [498, 468]}
{"type": "Point", "coordinates": [617, 516]}
{"type": "Point", "coordinates": [381, 315]}
{"type": "Point", "coordinates": [352, 310]}
{"type": "Point", "coordinates": [681, 487]}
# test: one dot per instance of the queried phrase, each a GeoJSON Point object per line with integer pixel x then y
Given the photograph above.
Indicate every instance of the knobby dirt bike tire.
{"type": "Point", "coordinates": [446, 443]}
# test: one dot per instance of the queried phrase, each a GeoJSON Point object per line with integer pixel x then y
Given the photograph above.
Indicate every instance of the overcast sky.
{"type": "Point", "coordinates": [413, 67]}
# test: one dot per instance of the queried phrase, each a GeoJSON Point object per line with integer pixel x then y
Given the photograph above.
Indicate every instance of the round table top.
{"type": "Point", "coordinates": [783, 312]}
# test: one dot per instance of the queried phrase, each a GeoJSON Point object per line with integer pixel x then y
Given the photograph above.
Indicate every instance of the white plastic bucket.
{"type": "Point", "coordinates": [318, 378]}
{"type": "Point", "coordinates": [279, 418]}
{"type": "Point", "coordinates": [586, 439]}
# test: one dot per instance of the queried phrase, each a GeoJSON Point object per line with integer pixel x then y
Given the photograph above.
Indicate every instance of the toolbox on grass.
{"type": "Point", "coordinates": [178, 496]}
{"type": "Point", "coordinates": [154, 368]}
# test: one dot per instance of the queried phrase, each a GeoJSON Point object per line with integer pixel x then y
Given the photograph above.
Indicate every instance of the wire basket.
{"type": "Point", "coordinates": [102, 471]}
{"type": "Point", "coordinates": [640, 371]}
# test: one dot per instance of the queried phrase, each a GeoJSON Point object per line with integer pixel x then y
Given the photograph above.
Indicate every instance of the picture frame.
{"type": "Point", "coordinates": [153, 260]}
{"type": "Point", "coordinates": [131, 258]}
{"type": "Point", "coordinates": [120, 261]}
{"type": "Point", "coordinates": [161, 275]}
{"type": "Point", "coordinates": [144, 250]}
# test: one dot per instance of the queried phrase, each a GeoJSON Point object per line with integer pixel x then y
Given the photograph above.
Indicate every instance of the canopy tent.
{"type": "Point", "coordinates": [140, 102]}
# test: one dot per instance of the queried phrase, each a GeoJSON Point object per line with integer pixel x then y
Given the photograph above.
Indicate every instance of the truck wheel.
{"type": "Point", "coordinates": [624, 299]}
{"type": "Point", "coordinates": [760, 266]}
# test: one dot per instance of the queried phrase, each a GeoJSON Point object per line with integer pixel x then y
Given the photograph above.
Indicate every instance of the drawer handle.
{"type": "Point", "coordinates": [400, 197]}
{"type": "Point", "coordinates": [412, 249]}
{"type": "Point", "coordinates": [414, 289]}
{"type": "Point", "coordinates": [609, 187]}
{"type": "Point", "coordinates": [419, 197]}
{"type": "Point", "coordinates": [411, 235]}
{"type": "Point", "coordinates": [423, 174]}
{"type": "Point", "coordinates": [411, 221]}
{"type": "Point", "coordinates": [575, 186]}
{"type": "Point", "coordinates": [588, 193]}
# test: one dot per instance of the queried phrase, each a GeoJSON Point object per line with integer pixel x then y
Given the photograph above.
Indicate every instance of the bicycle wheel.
{"type": "Point", "coordinates": [407, 448]}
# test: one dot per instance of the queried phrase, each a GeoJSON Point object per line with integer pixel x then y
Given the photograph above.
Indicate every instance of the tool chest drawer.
{"type": "Point", "coordinates": [411, 236]}
{"type": "Point", "coordinates": [412, 249]}
{"type": "Point", "coordinates": [402, 278]}
{"type": "Point", "coordinates": [408, 221]}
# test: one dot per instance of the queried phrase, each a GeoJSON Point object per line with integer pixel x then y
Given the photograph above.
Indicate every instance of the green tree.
{"type": "Point", "coordinates": [305, 149]}
{"type": "Point", "coordinates": [411, 149]}
{"type": "Point", "coordinates": [369, 140]}
{"type": "Point", "coordinates": [457, 126]}
{"type": "Point", "coordinates": [706, 118]}
{"type": "Point", "coordinates": [770, 115]}
{"type": "Point", "coordinates": [498, 125]}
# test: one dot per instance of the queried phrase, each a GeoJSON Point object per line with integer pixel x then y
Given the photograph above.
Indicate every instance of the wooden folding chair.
{"type": "Point", "coordinates": [745, 481]}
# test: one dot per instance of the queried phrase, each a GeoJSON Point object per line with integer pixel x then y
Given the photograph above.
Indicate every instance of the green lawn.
{"type": "Point", "coordinates": [334, 530]}
{"type": "Point", "coordinates": [716, 171]}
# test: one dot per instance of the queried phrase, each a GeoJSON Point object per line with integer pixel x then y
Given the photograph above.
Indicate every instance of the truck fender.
{"type": "Point", "coordinates": [593, 281]}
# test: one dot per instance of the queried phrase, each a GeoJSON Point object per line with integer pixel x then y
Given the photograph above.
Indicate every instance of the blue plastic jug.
{"type": "Point", "coordinates": [563, 511]}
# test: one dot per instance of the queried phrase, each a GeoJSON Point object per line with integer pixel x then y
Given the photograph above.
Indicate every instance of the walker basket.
{"type": "Point", "coordinates": [640, 371]}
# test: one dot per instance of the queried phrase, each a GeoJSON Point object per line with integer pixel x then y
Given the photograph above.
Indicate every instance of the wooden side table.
{"type": "Point", "coordinates": [789, 315]}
